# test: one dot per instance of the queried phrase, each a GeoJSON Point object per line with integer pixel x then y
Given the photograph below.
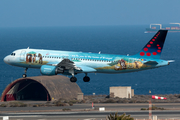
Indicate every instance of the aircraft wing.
{"type": "Point", "coordinates": [86, 68]}
{"type": "Point", "coordinates": [67, 64]}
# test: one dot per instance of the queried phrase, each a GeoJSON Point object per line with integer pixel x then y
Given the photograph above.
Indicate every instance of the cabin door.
{"type": "Point", "coordinates": [22, 55]}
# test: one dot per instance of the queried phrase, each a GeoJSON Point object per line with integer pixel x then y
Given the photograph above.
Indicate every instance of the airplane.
{"type": "Point", "coordinates": [53, 62]}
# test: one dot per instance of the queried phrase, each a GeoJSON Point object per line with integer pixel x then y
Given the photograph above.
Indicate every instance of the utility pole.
{"type": "Point", "coordinates": [150, 107]}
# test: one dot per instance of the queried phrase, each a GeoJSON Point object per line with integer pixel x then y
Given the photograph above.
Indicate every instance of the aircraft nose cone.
{"type": "Point", "coordinates": [6, 60]}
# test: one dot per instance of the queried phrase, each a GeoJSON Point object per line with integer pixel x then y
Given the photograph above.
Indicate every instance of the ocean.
{"type": "Point", "coordinates": [107, 39]}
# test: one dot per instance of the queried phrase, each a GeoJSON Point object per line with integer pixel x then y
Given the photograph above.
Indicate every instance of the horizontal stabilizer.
{"type": "Point", "coordinates": [171, 60]}
{"type": "Point", "coordinates": [151, 63]}
{"type": "Point", "coordinates": [86, 68]}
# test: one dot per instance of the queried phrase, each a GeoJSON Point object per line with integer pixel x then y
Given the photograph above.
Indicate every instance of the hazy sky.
{"type": "Point", "coordinates": [25, 13]}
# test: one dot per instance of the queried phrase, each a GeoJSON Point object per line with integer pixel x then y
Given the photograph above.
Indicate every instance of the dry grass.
{"type": "Point", "coordinates": [97, 99]}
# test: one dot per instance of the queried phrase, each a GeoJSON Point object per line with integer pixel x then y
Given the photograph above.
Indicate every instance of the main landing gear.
{"type": "Point", "coordinates": [24, 75]}
{"type": "Point", "coordinates": [86, 78]}
{"type": "Point", "coordinates": [74, 79]}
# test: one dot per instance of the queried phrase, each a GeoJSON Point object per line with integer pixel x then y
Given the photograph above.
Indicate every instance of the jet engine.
{"type": "Point", "coordinates": [50, 70]}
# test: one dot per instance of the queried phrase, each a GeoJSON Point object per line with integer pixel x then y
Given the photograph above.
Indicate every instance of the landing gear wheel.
{"type": "Point", "coordinates": [73, 79]}
{"type": "Point", "coordinates": [86, 79]}
{"type": "Point", "coordinates": [24, 75]}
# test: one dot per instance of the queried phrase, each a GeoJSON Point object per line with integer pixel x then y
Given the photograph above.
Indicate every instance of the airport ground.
{"type": "Point", "coordinates": [80, 110]}
{"type": "Point", "coordinates": [85, 111]}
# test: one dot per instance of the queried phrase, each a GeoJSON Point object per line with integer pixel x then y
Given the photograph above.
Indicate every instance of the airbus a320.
{"type": "Point", "coordinates": [51, 62]}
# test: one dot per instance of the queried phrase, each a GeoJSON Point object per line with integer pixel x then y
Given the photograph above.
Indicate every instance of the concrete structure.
{"type": "Point", "coordinates": [80, 96]}
{"type": "Point", "coordinates": [111, 95]}
{"type": "Point", "coordinates": [45, 88]}
{"type": "Point", "coordinates": [121, 92]}
{"type": "Point", "coordinates": [154, 117]}
{"type": "Point", "coordinates": [132, 92]}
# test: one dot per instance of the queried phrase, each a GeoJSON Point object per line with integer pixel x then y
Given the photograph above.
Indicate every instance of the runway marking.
{"type": "Point", "coordinates": [90, 119]}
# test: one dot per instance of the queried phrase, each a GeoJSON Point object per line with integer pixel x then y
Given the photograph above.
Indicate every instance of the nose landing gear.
{"type": "Point", "coordinates": [72, 79]}
{"type": "Point", "coordinates": [24, 75]}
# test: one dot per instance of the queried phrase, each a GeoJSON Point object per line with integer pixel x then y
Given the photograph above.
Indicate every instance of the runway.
{"type": "Point", "coordinates": [84, 111]}
{"type": "Point", "coordinates": [88, 115]}
{"type": "Point", "coordinates": [82, 107]}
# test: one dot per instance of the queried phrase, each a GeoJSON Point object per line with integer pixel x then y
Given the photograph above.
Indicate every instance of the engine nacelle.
{"type": "Point", "coordinates": [48, 70]}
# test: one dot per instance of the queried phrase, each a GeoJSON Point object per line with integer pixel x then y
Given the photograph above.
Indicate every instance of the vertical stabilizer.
{"type": "Point", "coordinates": [154, 47]}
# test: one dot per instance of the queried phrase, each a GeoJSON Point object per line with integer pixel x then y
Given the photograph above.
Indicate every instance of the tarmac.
{"type": "Point", "coordinates": [86, 112]}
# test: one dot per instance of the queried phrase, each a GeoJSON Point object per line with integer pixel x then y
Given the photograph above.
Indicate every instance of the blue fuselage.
{"type": "Point", "coordinates": [95, 63]}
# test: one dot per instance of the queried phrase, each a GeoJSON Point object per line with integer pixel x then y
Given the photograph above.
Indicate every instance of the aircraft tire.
{"type": "Point", "coordinates": [73, 79]}
{"type": "Point", "coordinates": [24, 75]}
{"type": "Point", "coordinates": [86, 79]}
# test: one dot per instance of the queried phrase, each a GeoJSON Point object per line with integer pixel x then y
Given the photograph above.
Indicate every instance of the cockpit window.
{"type": "Point", "coordinates": [13, 54]}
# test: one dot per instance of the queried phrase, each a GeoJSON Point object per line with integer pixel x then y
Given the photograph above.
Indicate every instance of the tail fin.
{"type": "Point", "coordinates": [154, 47]}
